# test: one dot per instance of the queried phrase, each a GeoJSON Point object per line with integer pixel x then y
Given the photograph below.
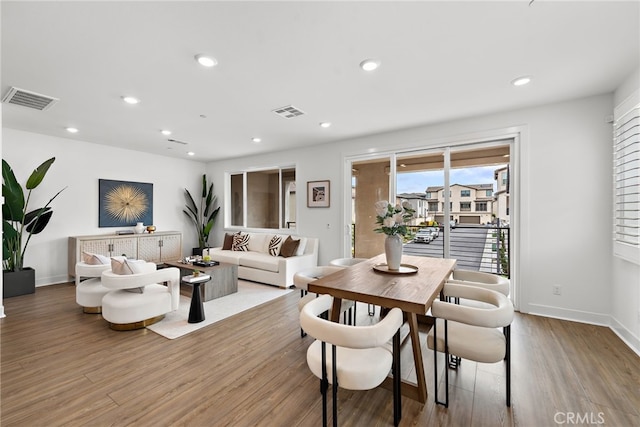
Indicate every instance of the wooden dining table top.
{"type": "Point", "coordinates": [412, 293]}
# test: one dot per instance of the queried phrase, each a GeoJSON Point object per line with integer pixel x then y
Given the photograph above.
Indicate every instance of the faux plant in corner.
{"type": "Point", "coordinates": [202, 215]}
{"type": "Point", "coordinates": [19, 225]}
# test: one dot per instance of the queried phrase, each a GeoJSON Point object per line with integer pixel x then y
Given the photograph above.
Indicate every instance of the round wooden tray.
{"type": "Point", "coordinates": [404, 269]}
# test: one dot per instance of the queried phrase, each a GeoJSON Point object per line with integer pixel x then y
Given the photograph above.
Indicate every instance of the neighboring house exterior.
{"type": "Point", "coordinates": [418, 203]}
{"type": "Point", "coordinates": [470, 204]}
{"type": "Point", "coordinates": [501, 203]}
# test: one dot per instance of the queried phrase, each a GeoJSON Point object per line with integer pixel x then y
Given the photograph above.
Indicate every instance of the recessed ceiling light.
{"type": "Point", "coordinates": [72, 130]}
{"type": "Point", "coordinates": [521, 81]}
{"type": "Point", "coordinates": [165, 132]}
{"type": "Point", "coordinates": [370, 64]}
{"type": "Point", "coordinates": [256, 140]}
{"type": "Point", "coordinates": [130, 100]}
{"type": "Point", "coordinates": [206, 61]}
{"type": "Point", "coordinates": [325, 124]}
{"type": "Point", "coordinates": [191, 153]}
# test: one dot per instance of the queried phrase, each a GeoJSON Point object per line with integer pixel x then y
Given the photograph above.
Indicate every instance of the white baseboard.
{"type": "Point", "coordinates": [53, 280]}
{"type": "Point", "coordinates": [600, 319]}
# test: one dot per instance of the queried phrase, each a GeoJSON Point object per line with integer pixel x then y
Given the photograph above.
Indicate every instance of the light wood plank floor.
{"type": "Point", "coordinates": [61, 367]}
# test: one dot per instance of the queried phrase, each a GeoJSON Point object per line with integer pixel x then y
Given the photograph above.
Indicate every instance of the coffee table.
{"type": "Point", "coordinates": [224, 278]}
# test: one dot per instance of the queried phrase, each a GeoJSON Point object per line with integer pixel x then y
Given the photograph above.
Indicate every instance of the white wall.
{"type": "Point", "coordinates": [565, 189]}
{"type": "Point", "coordinates": [626, 275]}
{"type": "Point", "coordinates": [78, 167]}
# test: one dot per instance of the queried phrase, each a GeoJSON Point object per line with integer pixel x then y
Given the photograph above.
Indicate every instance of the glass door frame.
{"type": "Point", "coordinates": [512, 137]}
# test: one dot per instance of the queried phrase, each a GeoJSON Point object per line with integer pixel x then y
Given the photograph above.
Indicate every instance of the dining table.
{"type": "Point", "coordinates": [412, 289]}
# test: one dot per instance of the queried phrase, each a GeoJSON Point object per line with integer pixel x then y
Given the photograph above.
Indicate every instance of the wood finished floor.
{"type": "Point", "coordinates": [60, 367]}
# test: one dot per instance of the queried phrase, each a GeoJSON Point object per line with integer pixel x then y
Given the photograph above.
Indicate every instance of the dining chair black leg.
{"type": "Point", "coordinates": [324, 384]}
{"type": "Point", "coordinates": [397, 390]}
{"type": "Point", "coordinates": [507, 331]}
{"type": "Point", "coordinates": [335, 385]}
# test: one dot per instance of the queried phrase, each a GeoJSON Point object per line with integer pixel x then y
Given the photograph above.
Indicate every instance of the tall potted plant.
{"type": "Point", "coordinates": [18, 225]}
{"type": "Point", "coordinates": [204, 216]}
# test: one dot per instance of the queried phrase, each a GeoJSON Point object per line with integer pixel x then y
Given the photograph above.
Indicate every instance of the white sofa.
{"type": "Point", "coordinates": [258, 265]}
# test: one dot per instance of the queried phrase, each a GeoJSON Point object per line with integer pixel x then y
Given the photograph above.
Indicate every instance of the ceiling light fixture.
{"type": "Point", "coordinates": [521, 81]}
{"type": "Point", "coordinates": [72, 130]}
{"type": "Point", "coordinates": [130, 100]}
{"type": "Point", "coordinates": [191, 153]}
{"type": "Point", "coordinates": [206, 61]}
{"type": "Point", "coordinates": [370, 64]}
{"type": "Point", "coordinates": [325, 124]}
{"type": "Point", "coordinates": [256, 140]}
{"type": "Point", "coordinates": [165, 132]}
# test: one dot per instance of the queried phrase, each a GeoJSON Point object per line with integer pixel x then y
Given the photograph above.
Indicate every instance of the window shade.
{"type": "Point", "coordinates": [626, 180]}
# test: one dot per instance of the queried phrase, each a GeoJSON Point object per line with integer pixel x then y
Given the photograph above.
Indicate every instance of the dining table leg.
{"type": "Point", "coordinates": [412, 319]}
{"type": "Point", "coordinates": [335, 309]}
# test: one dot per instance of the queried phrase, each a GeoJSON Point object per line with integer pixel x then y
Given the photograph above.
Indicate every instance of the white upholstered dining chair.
{"type": "Point", "coordinates": [471, 333]}
{"type": "Point", "coordinates": [352, 357]}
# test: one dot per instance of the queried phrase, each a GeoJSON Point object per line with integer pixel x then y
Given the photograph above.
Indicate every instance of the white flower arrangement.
{"type": "Point", "coordinates": [392, 219]}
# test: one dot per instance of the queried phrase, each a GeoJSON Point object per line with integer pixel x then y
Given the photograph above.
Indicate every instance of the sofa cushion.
{"type": "Point", "coordinates": [228, 241]}
{"type": "Point", "coordinates": [240, 242]}
{"type": "Point", "coordinates": [301, 246]}
{"type": "Point", "coordinates": [257, 242]}
{"type": "Point", "coordinates": [289, 247]}
{"type": "Point", "coordinates": [230, 257]}
{"type": "Point", "coordinates": [260, 261]}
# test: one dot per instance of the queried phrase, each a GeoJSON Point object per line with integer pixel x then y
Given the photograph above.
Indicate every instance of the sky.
{"type": "Point", "coordinates": [417, 182]}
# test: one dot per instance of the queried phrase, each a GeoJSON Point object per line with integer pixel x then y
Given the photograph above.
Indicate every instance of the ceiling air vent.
{"type": "Point", "coordinates": [288, 112]}
{"type": "Point", "coordinates": [177, 142]}
{"type": "Point", "coordinates": [29, 99]}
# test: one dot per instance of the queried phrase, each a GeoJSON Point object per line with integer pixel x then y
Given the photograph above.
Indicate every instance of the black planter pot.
{"type": "Point", "coordinates": [16, 283]}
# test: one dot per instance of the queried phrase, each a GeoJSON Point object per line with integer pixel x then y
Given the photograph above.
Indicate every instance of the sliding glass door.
{"type": "Point", "coordinates": [461, 194]}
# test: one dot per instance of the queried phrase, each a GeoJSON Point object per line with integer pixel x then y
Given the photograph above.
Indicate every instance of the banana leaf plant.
{"type": "Point", "coordinates": [18, 222]}
{"type": "Point", "coordinates": [204, 216]}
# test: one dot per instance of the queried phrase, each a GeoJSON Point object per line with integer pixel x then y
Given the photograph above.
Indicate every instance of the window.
{"type": "Point", "coordinates": [263, 199]}
{"type": "Point", "coordinates": [481, 206]}
{"type": "Point", "coordinates": [433, 206]}
{"type": "Point", "coordinates": [428, 194]}
{"type": "Point", "coordinates": [626, 179]}
{"type": "Point", "coordinates": [504, 178]}
{"type": "Point", "coordinates": [465, 206]}
{"type": "Point", "coordinates": [489, 193]}
{"type": "Point", "coordinates": [465, 193]}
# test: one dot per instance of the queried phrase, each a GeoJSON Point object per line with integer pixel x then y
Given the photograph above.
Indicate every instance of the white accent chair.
{"type": "Point", "coordinates": [301, 281]}
{"type": "Point", "coordinates": [471, 332]}
{"type": "Point", "coordinates": [139, 300]}
{"type": "Point", "coordinates": [89, 292]}
{"type": "Point", "coordinates": [360, 357]}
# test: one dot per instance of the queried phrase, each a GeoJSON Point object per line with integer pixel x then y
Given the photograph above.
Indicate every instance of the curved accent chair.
{"type": "Point", "coordinates": [359, 357]}
{"type": "Point", "coordinates": [141, 299]}
{"type": "Point", "coordinates": [301, 280]}
{"type": "Point", "coordinates": [89, 289]}
{"type": "Point", "coordinates": [471, 333]}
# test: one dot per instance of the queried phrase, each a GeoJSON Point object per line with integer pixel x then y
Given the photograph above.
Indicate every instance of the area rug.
{"type": "Point", "coordinates": [249, 295]}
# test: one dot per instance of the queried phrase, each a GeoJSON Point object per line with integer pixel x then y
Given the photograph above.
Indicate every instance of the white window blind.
{"type": "Point", "coordinates": [626, 179]}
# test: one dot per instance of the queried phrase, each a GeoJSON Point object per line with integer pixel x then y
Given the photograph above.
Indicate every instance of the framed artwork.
{"type": "Point", "coordinates": [124, 203]}
{"type": "Point", "coordinates": [318, 195]}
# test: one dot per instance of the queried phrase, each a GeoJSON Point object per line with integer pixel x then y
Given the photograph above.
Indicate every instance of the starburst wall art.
{"type": "Point", "coordinates": [125, 203]}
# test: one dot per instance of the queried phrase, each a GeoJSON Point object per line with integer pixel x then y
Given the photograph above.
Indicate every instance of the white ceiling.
{"type": "Point", "coordinates": [440, 61]}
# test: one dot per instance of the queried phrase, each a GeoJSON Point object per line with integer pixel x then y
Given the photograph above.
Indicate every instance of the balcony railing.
{"type": "Point", "coordinates": [480, 248]}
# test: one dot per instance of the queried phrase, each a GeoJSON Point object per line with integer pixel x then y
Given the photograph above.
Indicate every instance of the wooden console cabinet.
{"type": "Point", "coordinates": [155, 247]}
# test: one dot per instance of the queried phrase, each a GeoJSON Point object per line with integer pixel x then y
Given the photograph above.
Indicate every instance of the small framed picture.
{"type": "Point", "coordinates": [318, 194]}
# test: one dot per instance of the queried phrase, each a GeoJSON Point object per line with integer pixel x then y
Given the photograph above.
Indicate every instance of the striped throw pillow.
{"type": "Point", "coordinates": [240, 242]}
{"type": "Point", "coordinates": [274, 245]}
